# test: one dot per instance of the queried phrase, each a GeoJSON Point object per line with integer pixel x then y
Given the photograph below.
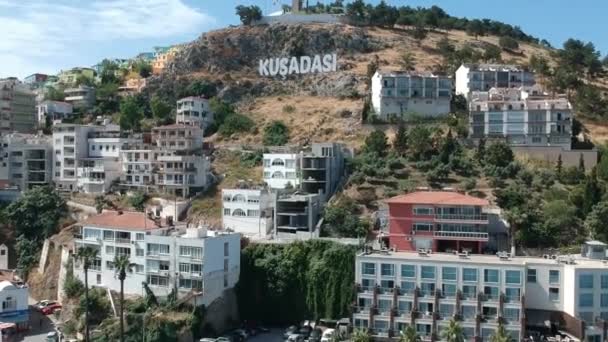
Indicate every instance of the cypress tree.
{"type": "Point", "coordinates": [559, 166]}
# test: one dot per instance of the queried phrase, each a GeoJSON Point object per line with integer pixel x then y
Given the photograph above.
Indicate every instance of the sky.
{"type": "Point", "coordinates": [50, 35]}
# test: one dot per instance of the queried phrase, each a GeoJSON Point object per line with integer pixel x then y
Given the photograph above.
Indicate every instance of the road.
{"type": "Point", "coordinates": [275, 335]}
{"type": "Point", "coordinates": [40, 325]}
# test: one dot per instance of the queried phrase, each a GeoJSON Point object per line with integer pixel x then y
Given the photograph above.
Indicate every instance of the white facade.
{"type": "Point", "coordinates": [70, 143]}
{"type": "Point", "coordinates": [194, 111]}
{"type": "Point", "coordinates": [574, 286]}
{"type": "Point", "coordinates": [521, 116]}
{"type": "Point", "coordinates": [54, 110]}
{"type": "Point", "coordinates": [248, 211]}
{"type": "Point", "coordinates": [281, 169]}
{"type": "Point", "coordinates": [14, 299]}
{"type": "Point", "coordinates": [192, 260]}
{"type": "Point", "coordinates": [483, 77]}
{"type": "Point", "coordinates": [82, 97]}
{"type": "Point", "coordinates": [25, 161]}
{"type": "Point", "coordinates": [399, 94]}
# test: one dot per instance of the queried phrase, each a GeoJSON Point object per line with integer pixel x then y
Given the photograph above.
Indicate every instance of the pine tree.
{"type": "Point", "coordinates": [481, 150]}
{"type": "Point", "coordinates": [593, 192]}
{"type": "Point", "coordinates": [400, 142]}
{"type": "Point", "coordinates": [559, 166]}
{"type": "Point", "coordinates": [581, 165]}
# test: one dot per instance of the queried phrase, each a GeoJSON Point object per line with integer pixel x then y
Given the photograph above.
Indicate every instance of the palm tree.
{"type": "Point", "coordinates": [360, 335]}
{"type": "Point", "coordinates": [122, 265]}
{"type": "Point", "coordinates": [86, 255]}
{"type": "Point", "coordinates": [501, 335]}
{"type": "Point", "coordinates": [409, 335]}
{"type": "Point", "coordinates": [453, 332]}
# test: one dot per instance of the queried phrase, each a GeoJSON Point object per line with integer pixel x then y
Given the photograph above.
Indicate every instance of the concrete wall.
{"type": "Point", "coordinates": [550, 154]}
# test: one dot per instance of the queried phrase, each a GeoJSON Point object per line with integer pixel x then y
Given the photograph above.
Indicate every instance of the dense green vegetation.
{"type": "Point", "coordinates": [276, 134]}
{"type": "Point", "coordinates": [287, 283]}
{"type": "Point", "coordinates": [340, 219]}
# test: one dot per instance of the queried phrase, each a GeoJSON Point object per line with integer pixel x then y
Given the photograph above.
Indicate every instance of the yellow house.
{"type": "Point", "coordinates": [69, 77]}
{"type": "Point", "coordinates": [161, 60]}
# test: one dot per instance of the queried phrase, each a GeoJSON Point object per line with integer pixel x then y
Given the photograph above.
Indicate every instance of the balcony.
{"type": "Point", "coordinates": [123, 240]}
{"type": "Point", "coordinates": [451, 235]}
{"type": "Point", "coordinates": [462, 217]}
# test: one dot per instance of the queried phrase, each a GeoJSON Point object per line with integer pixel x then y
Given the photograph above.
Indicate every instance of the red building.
{"type": "Point", "coordinates": [439, 220]}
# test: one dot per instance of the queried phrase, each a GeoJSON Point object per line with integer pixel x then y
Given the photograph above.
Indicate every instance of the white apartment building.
{"type": "Point", "coordinates": [70, 143]}
{"type": "Point", "coordinates": [523, 116]}
{"type": "Point", "coordinates": [54, 110]}
{"type": "Point", "coordinates": [398, 94]}
{"type": "Point", "coordinates": [137, 161]}
{"type": "Point", "coordinates": [483, 77]}
{"type": "Point", "coordinates": [426, 290]}
{"type": "Point", "coordinates": [17, 107]}
{"type": "Point", "coordinates": [14, 295]}
{"type": "Point", "coordinates": [25, 161]}
{"type": "Point", "coordinates": [201, 264]}
{"type": "Point", "coordinates": [281, 169]}
{"type": "Point", "coordinates": [248, 211]}
{"type": "Point", "coordinates": [178, 137]}
{"type": "Point", "coordinates": [81, 97]}
{"type": "Point", "coordinates": [194, 110]}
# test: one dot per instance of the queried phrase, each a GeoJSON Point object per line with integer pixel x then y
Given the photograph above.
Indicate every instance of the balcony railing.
{"type": "Point", "coordinates": [461, 217]}
{"type": "Point", "coordinates": [123, 240]}
{"type": "Point", "coordinates": [467, 235]}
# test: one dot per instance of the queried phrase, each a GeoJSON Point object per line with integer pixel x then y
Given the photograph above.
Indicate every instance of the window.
{"type": "Point", "coordinates": [156, 249]}
{"type": "Point", "coordinates": [384, 305]}
{"type": "Point", "coordinates": [604, 300]}
{"type": "Point", "coordinates": [139, 252]}
{"type": "Point", "coordinates": [491, 292]}
{"type": "Point", "coordinates": [427, 289]}
{"type": "Point", "coordinates": [512, 294]}
{"type": "Point", "coordinates": [226, 249]}
{"type": "Point", "coordinates": [490, 276]}
{"type": "Point", "coordinates": [448, 273]}
{"type": "Point", "coordinates": [585, 281]}
{"type": "Point", "coordinates": [426, 211]}
{"type": "Point", "coordinates": [368, 268]}
{"type": "Point", "coordinates": [531, 275]}
{"type": "Point", "coordinates": [9, 304]}
{"type": "Point", "coordinates": [109, 249]}
{"type": "Point", "coordinates": [604, 281]}
{"type": "Point", "coordinates": [422, 227]}
{"type": "Point", "coordinates": [469, 291]}
{"type": "Point", "coordinates": [469, 274]}
{"type": "Point", "coordinates": [226, 211]}
{"type": "Point", "coordinates": [554, 294]}
{"type": "Point", "coordinates": [586, 316]}
{"type": "Point", "coordinates": [513, 277]}
{"type": "Point", "coordinates": [155, 280]}
{"type": "Point", "coordinates": [427, 272]}
{"type": "Point", "coordinates": [139, 236]}
{"type": "Point", "coordinates": [448, 290]}
{"type": "Point", "coordinates": [139, 268]}
{"type": "Point", "coordinates": [553, 276]}
{"type": "Point", "coordinates": [387, 270]}
{"type": "Point", "coordinates": [468, 311]}
{"type": "Point", "coordinates": [511, 314]}
{"type": "Point", "coordinates": [368, 284]}
{"type": "Point", "coordinates": [92, 234]}
{"type": "Point", "coordinates": [585, 300]}
{"type": "Point", "coordinates": [408, 271]}
{"type": "Point", "coordinates": [446, 310]}
{"type": "Point", "coordinates": [109, 265]}
{"type": "Point", "coordinates": [408, 286]}
{"type": "Point", "coordinates": [253, 213]}
{"type": "Point", "coordinates": [387, 285]}
{"type": "Point", "coordinates": [404, 306]}
{"type": "Point", "coordinates": [192, 252]}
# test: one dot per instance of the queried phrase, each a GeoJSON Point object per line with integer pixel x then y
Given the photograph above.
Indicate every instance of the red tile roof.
{"type": "Point", "coordinates": [127, 220]}
{"type": "Point", "coordinates": [438, 197]}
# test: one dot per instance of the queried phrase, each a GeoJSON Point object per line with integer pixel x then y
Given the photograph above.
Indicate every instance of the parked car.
{"type": "Point", "coordinates": [289, 331]}
{"type": "Point", "coordinates": [263, 329]}
{"type": "Point", "coordinates": [242, 333]}
{"type": "Point", "coordinates": [295, 338]}
{"type": "Point", "coordinates": [315, 335]}
{"type": "Point", "coordinates": [205, 339]}
{"type": "Point", "coordinates": [305, 331]}
{"type": "Point", "coordinates": [49, 309]}
{"type": "Point", "coordinates": [328, 334]}
{"type": "Point", "coordinates": [43, 303]}
{"type": "Point", "coordinates": [223, 339]}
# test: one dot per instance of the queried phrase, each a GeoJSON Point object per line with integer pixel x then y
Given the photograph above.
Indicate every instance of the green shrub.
{"type": "Point", "coordinates": [236, 123]}
{"type": "Point", "coordinates": [138, 200]}
{"type": "Point", "coordinates": [288, 109]}
{"type": "Point", "coordinates": [73, 287]}
{"type": "Point", "coordinates": [276, 134]}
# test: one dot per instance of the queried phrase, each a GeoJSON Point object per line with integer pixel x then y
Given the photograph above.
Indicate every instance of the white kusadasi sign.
{"type": "Point", "coordinates": [298, 65]}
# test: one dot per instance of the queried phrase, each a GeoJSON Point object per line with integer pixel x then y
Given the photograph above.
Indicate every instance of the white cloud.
{"type": "Point", "coordinates": [38, 29]}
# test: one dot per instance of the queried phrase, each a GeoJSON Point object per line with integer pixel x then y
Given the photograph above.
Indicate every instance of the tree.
{"type": "Point", "coordinates": [409, 335]}
{"type": "Point", "coordinates": [492, 54]}
{"type": "Point", "coordinates": [360, 335]}
{"type": "Point", "coordinates": [595, 223]}
{"type": "Point", "coordinates": [581, 164]}
{"type": "Point", "coordinates": [501, 335]}
{"type": "Point", "coordinates": [408, 62]}
{"type": "Point", "coordinates": [400, 141]}
{"type": "Point", "coordinates": [122, 265]}
{"type": "Point", "coordinates": [376, 142]}
{"type": "Point", "coordinates": [559, 165]}
{"type": "Point", "coordinates": [592, 193]}
{"type": "Point", "coordinates": [419, 33]}
{"type": "Point", "coordinates": [356, 10]}
{"type": "Point", "coordinates": [130, 114]}
{"type": "Point", "coordinates": [445, 47]}
{"type": "Point", "coordinates": [36, 213]}
{"type": "Point", "coordinates": [480, 152]}
{"type": "Point", "coordinates": [453, 332]}
{"type": "Point", "coordinates": [86, 255]}
{"type": "Point", "coordinates": [143, 68]}
{"type": "Point", "coordinates": [248, 14]}
{"type": "Point", "coordinates": [499, 154]}
{"type": "Point", "coordinates": [160, 109]}
{"type": "Point", "coordinates": [340, 218]}
{"type": "Point", "coordinates": [84, 80]}
{"type": "Point", "coordinates": [100, 202]}
{"type": "Point", "coordinates": [276, 134]}
{"type": "Point", "coordinates": [54, 94]}
{"type": "Point", "coordinates": [475, 28]}
{"type": "Point", "coordinates": [138, 200]}
{"type": "Point", "coordinates": [420, 142]}
{"type": "Point", "coordinates": [561, 226]}
{"type": "Point", "coordinates": [508, 43]}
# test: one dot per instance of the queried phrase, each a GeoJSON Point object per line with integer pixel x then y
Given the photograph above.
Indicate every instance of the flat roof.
{"type": "Point", "coordinates": [126, 220]}
{"type": "Point", "coordinates": [438, 197]}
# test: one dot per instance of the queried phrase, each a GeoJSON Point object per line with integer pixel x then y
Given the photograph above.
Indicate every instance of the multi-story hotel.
{"type": "Point", "coordinates": [195, 111]}
{"type": "Point", "coordinates": [483, 77]}
{"type": "Point", "coordinates": [522, 116]}
{"type": "Point", "coordinates": [17, 107]}
{"type": "Point", "coordinates": [438, 221]}
{"type": "Point", "coordinates": [25, 161]}
{"type": "Point", "coordinates": [248, 210]}
{"type": "Point", "coordinates": [398, 94]}
{"type": "Point", "coordinates": [565, 296]}
{"type": "Point", "coordinates": [200, 264]}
